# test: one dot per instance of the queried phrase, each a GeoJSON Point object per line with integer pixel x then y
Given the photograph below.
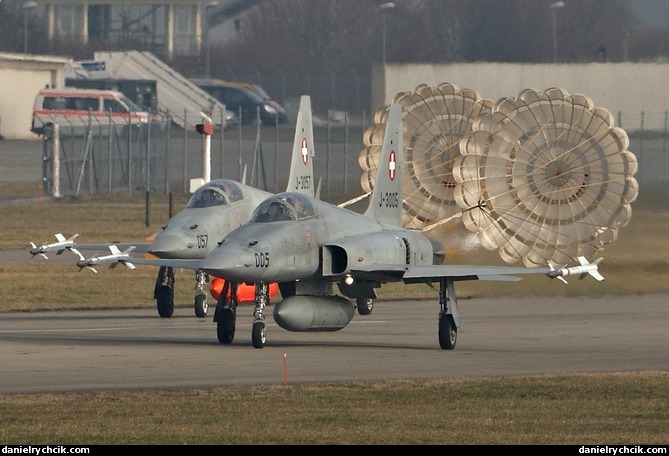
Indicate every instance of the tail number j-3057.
{"type": "Point", "coordinates": [262, 259]}
{"type": "Point", "coordinates": [302, 182]}
{"type": "Point", "coordinates": [389, 199]}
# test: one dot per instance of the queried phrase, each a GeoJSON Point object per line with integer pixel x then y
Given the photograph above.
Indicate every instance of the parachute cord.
{"type": "Point", "coordinates": [441, 222]}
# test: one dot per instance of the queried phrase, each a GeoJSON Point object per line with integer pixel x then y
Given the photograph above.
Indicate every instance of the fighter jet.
{"type": "Point", "coordinates": [214, 209]}
{"type": "Point", "coordinates": [308, 246]}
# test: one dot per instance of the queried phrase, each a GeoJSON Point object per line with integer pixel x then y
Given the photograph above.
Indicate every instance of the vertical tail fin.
{"type": "Point", "coordinates": [385, 203]}
{"type": "Point", "coordinates": [301, 177]}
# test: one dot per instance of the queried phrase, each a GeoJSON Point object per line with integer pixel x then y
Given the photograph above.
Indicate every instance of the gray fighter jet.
{"type": "Point", "coordinates": [308, 246]}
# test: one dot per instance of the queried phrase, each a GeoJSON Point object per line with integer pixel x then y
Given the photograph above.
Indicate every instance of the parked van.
{"type": "Point", "coordinates": [76, 109]}
{"type": "Point", "coordinates": [249, 99]}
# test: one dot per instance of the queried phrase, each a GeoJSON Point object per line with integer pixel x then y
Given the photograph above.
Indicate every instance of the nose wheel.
{"type": "Point", "coordinates": [201, 305]}
{"type": "Point", "coordinates": [259, 334]}
{"type": "Point", "coordinates": [259, 330]}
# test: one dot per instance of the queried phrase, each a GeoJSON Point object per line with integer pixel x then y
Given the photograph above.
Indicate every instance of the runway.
{"type": "Point", "coordinates": [80, 351]}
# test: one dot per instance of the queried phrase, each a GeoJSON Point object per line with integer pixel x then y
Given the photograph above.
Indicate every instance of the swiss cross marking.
{"type": "Point", "coordinates": [305, 151]}
{"type": "Point", "coordinates": [392, 165]}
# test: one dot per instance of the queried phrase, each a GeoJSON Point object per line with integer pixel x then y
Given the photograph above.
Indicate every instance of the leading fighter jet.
{"type": "Point", "coordinates": [308, 246]}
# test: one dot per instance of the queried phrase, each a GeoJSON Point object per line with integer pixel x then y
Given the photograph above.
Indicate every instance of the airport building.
{"type": "Point", "coordinates": [167, 28]}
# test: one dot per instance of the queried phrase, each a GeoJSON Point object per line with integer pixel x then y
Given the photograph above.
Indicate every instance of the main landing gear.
{"type": "Point", "coordinates": [449, 319]}
{"type": "Point", "coordinates": [163, 293]}
{"type": "Point", "coordinates": [225, 315]}
{"type": "Point", "coordinates": [364, 305]}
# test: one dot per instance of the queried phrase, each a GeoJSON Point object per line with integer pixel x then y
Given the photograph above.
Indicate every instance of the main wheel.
{"type": "Point", "coordinates": [225, 326]}
{"type": "Point", "coordinates": [448, 332]}
{"type": "Point", "coordinates": [258, 334]}
{"type": "Point", "coordinates": [201, 305]}
{"type": "Point", "coordinates": [365, 306]}
{"type": "Point", "coordinates": [165, 301]}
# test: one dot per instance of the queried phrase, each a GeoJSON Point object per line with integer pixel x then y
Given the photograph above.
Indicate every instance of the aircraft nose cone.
{"type": "Point", "coordinates": [227, 263]}
{"type": "Point", "coordinates": [169, 245]}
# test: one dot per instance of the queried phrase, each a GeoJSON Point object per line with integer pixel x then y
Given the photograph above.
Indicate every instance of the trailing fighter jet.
{"type": "Point", "coordinates": [307, 246]}
{"type": "Point", "coordinates": [214, 209]}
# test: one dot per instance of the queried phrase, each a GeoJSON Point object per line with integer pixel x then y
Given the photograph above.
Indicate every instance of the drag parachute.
{"type": "Point", "coordinates": [435, 119]}
{"type": "Point", "coordinates": [544, 178]}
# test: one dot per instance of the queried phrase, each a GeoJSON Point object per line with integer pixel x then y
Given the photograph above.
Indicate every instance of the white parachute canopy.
{"type": "Point", "coordinates": [435, 119]}
{"type": "Point", "coordinates": [544, 178]}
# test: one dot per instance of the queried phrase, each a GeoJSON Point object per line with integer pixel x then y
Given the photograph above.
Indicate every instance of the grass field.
{"type": "Point", "coordinates": [613, 409]}
{"type": "Point", "coordinates": [603, 409]}
{"type": "Point", "coordinates": [635, 263]}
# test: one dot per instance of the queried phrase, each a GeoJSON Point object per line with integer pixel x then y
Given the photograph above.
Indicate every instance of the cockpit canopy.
{"type": "Point", "coordinates": [220, 192]}
{"type": "Point", "coordinates": [283, 207]}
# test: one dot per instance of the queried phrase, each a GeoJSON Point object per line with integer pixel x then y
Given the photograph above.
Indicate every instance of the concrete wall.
{"type": "Point", "coordinates": [625, 89]}
{"type": "Point", "coordinates": [21, 77]}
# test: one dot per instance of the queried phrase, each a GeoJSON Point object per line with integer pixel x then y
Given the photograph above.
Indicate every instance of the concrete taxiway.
{"type": "Point", "coordinates": [504, 336]}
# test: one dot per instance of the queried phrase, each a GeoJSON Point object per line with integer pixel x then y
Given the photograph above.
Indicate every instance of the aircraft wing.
{"type": "Point", "coordinates": [182, 264]}
{"type": "Point", "coordinates": [140, 247]}
{"type": "Point", "coordinates": [414, 274]}
{"type": "Point", "coordinates": [469, 272]}
{"type": "Point", "coordinates": [123, 257]}
{"type": "Point", "coordinates": [64, 243]}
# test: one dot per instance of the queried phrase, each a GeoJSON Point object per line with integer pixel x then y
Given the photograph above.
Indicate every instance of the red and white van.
{"type": "Point", "coordinates": [78, 109]}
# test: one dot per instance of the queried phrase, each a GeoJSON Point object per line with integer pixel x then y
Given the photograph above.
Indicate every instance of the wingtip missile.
{"type": "Point", "coordinates": [60, 246]}
{"type": "Point", "coordinates": [37, 251]}
{"type": "Point", "coordinates": [113, 259]}
{"type": "Point", "coordinates": [585, 268]}
{"type": "Point", "coordinates": [83, 262]}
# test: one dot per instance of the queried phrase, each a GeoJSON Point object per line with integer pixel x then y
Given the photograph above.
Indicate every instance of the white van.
{"type": "Point", "coordinates": [76, 109]}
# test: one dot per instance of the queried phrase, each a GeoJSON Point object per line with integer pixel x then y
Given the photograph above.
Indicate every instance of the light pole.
{"type": "Point", "coordinates": [206, 36]}
{"type": "Point", "coordinates": [27, 7]}
{"type": "Point", "coordinates": [554, 7]}
{"type": "Point", "coordinates": [383, 8]}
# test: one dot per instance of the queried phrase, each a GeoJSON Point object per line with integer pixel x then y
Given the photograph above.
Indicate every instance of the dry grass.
{"type": "Point", "coordinates": [635, 263]}
{"type": "Point", "coordinates": [593, 409]}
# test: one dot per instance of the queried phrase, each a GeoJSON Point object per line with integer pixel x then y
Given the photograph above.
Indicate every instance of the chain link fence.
{"type": "Point", "coordinates": [161, 157]}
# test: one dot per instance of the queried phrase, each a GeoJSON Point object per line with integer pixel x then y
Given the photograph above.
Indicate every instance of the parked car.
{"type": "Point", "coordinates": [78, 109]}
{"type": "Point", "coordinates": [144, 92]}
{"type": "Point", "coordinates": [249, 99]}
